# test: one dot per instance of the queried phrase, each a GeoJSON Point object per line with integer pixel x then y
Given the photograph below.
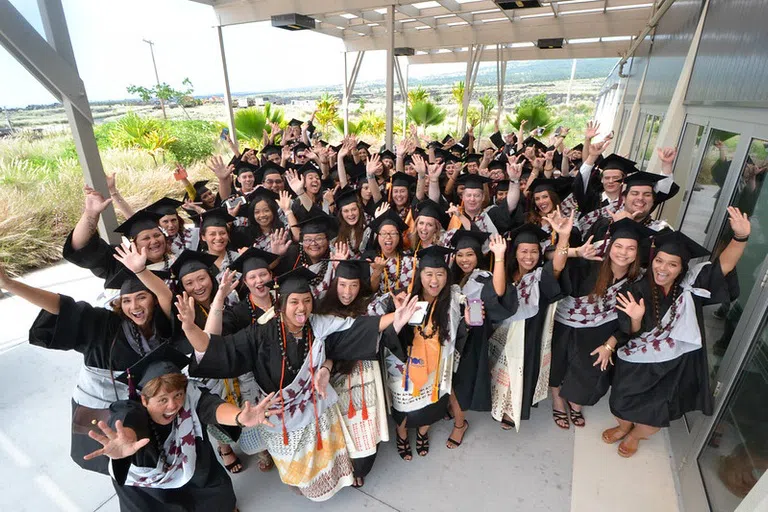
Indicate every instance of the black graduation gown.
{"type": "Point", "coordinates": [472, 380]}
{"type": "Point", "coordinates": [257, 349]}
{"type": "Point", "coordinates": [210, 488]}
{"type": "Point", "coordinates": [656, 393]}
{"type": "Point", "coordinates": [96, 333]}
{"type": "Point", "coordinates": [572, 365]}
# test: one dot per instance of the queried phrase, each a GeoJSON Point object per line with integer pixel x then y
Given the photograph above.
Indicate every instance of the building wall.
{"type": "Point", "coordinates": [731, 66]}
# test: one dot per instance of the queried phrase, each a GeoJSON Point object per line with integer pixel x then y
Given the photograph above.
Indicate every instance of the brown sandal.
{"type": "Point", "coordinates": [614, 435]}
{"type": "Point", "coordinates": [265, 462]}
{"type": "Point", "coordinates": [626, 452]}
{"type": "Point", "coordinates": [561, 419]}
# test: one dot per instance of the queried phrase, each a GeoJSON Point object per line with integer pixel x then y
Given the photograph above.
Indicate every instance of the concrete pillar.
{"type": "Point", "coordinates": [227, 92]}
{"type": "Point", "coordinates": [390, 105]}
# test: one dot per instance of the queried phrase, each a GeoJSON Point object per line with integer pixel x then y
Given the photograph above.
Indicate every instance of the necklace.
{"type": "Point", "coordinates": [430, 323]}
{"type": "Point", "coordinates": [302, 345]}
{"type": "Point", "coordinates": [252, 307]}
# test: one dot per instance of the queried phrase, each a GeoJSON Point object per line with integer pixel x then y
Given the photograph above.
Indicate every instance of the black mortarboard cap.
{"type": "Point", "coordinates": [261, 194]}
{"type": "Point", "coordinates": [388, 217]}
{"type": "Point", "coordinates": [473, 157]}
{"type": "Point", "coordinates": [578, 147]}
{"type": "Point", "coordinates": [447, 138]}
{"type": "Point", "coordinates": [128, 282]}
{"type": "Point", "coordinates": [447, 156]}
{"type": "Point", "coordinates": [353, 269]}
{"type": "Point", "coordinates": [615, 161]}
{"type": "Point", "coordinates": [268, 168]}
{"type": "Point", "coordinates": [294, 122]}
{"type": "Point", "coordinates": [164, 206]}
{"type": "Point", "coordinates": [429, 208]}
{"type": "Point", "coordinates": [163, 360]}
{"type": "Point", "coordinates": [678, 244]}
{"type": "Point", "coordinates": [435, 143]}
{"type": "Point", "coordinates": [299, 146]}
{"type": "Point", "coordinates": [316, 224]}
{"type": "Point", "coordinates": [642, 179]}
{"type": "Point", "coordinates": [401, 179]}
{"type": "Point", "coordinates": [473, 180]}
{"type": "Point", "coordinates": [497, 140]}
{"type": "Point", "coordinates": [387, 154]}
{"type": "Point", "coordinates": [496, 164]}
{"type": "Point", "coordinates": [252, 259]}
{"type": "Point", "coordinates": [138, 222]}
{"type": "Point", "coordinates": [561, 186]}
{"type": "Point", "coordinates": [270, 149]}
{"type": "Point", "coordinates": [200, 187]}
{"type": "Point", "coordinates": [533, 141]}
{"type": "Point", "coordinates": [502, 185]}
{"type": "Point", "coordinates": [527, 234]}
{"type": "Point", "coordinates": [216, 217]}
{"type": "Point", "coordinates": [191, 261]}
{"type": "Point", "coordinates": [433, 256]}
{"type": "Point", "coordinates": [345, 196]}
{"type": "Point", "coordinates": [628, 228]}
{"type": "Point", "coordinates": [363, 145]}
{"type": "Point", "coordinates": [464, 238]}
{"type": "Point", "coordinates": [295, 281]}
{"type": "Point", "coordinates": [246, 167]}
{"type": "Point", "coordinates": [309, 167]}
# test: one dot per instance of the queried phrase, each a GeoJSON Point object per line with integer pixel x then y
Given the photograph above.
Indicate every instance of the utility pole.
{"type": "Point", "coordinates": [570, 83]}
{"type": "Point", "coordinates": [157, 77]}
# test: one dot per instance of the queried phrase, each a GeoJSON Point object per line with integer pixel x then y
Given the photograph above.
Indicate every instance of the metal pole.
{"type": "Point", "coordinates": [389, 113]}
{"type": "Point", "coordinates": [57, 34]}
{"type": "Point", "coordinates": [467, 80]}
{"type": "Point", "coordinates": [346, 96]}
{"type": "Point", "coordinates": [157, 77]}
{"type": "Point", "coordinates": [227, 93]}
{"type": "Point", "coordinates": [570, 83]}
{"type": "Point", "coordinates": [405, 100]}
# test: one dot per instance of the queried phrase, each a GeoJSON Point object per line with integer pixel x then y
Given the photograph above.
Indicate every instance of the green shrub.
{"type": "Point", "coordinates": [194, 140]}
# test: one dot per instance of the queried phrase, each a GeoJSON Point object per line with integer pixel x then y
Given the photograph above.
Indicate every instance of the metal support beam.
{"type": "Point", "coordinates": [227, 92]}
{"type": "Point", "coordinates": [501, 76]}
{"type": "Point", "coordinates": [390, 111]}
{"type": "Point", "coordinates": [475, 52]}
{"type": "Point", "coordinates": [570, 82]}
{"type": "Point", "coordinates": [51, 69]}
{"type": "Point", "coordinates": [349, 86]}
{"type": "Point", "coordinates": [402, 82]}
{"type": "Point", "coordinates": [81, 124]}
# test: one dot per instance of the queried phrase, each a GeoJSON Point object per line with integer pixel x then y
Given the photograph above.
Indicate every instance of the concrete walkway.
{"type": "Point", "coordinates": [541, 468]}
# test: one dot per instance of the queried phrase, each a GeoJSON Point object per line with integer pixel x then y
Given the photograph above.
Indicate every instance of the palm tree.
{"type": "Point", "coordinates": [488, 103]}
{"type": "Point", "coordinates": [458, 97]}
{"type": "Point", "coordinates": [536, 116]}
{"type": "Point", "coordinates": [417, 94]}
{"type": "Point", "coordinates": [327, 111]}
{"type": "Point", "coordinates": [251, 122]}
{"type": "Point", "coordinates": [424, 113]}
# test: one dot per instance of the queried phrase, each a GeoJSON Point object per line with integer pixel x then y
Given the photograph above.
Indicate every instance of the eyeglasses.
{"type": "Point", "coordinates": [272, 182]}
{"type": "Point", "coordinates": [314, 241]}
{"type": "Point", "coordinates": [389, 235]}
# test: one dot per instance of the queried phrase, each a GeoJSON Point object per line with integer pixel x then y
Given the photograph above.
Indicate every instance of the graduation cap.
{"type": "Point", "coordinates": [560, 186]}
{"type": "Point", "coordinates": [353, 269]}
{"type": "Point", "coordinates": [496, 164]}
{"type": "Point", "coordinates": [295, 281]}
{"type": "Point", "coordinates": [464, 238]}
{"type": "Point", "coordinates": [615, 161]}
{"type": "Point", "coordinates": [473, 181]}
{"type": "Point", "coordinates": [447, 156]}
{"type": "Point", "coordinates": [200, 187]}
{"type": "Point", "coordinates": [527, 234]}
{"type": "Point", "coordinates": [387, 154]}
{"type": "Point", "coordinates": [235, 159]}
{"type": "Point", "coordinates": [363, 145]}
{"type": "Point", "coordinates": [253, 259]}
{"type": "Point", "coordinates": [138, 222]}
{"type": "Point", "coordinates": [533, 141]}
{"type": "Point", "coordinates": [317, 224]}
{"type": "Point", "coordinates": [401, 179]}
{"type": "Point", "coordinates": [268, 168]}
{"type": "Point", "coordinates": [345, 196]}
{"type": "Point", "coordinates": [271, 149]}
{"type": "Point", "coordinates": [244, 167]}
{"type": "Point", "coordinates": [457, 149]}
{"type": "Point", "coordinates": [191, 261]}
{"type": "Point", "coordinates": [260, 194]}
{"type": "Point", "coordinates": [163, 360]}
{"type": "Point", "coordinates": [435, 144]}
{"type": "Point", "coordinates": [578, 147]}
{"type": "Point", "coordinates": [299, 146]}
{"type": "Point", "coordinates": [433, 256]}
{"type": "Point", "coordinates": [502, 186]}
{"type": "Point", "coordinates": [309, 167]}
{"type": "Point", "coordinates": [642, 179]}
{"type": "Point", "coordinates": [294, 122]}
{"type": "Point", "coordinates": [128, 282]}
{"type": "Point", "coordinates": [217, 217]}
{"type": "Point", "coordinates": [676, 243]}
{"type": "Point", "coordinates": [164, 206]}
{"type": "Point", "coordinates": [473, 157]}
{"type": "Point", "coordinates": [446, 139]}
{"type": "Point", "coordinates": [337, 148]}
{"type": "Point", "coordinates": [429, 208]}
{"type": "Point", "coordinates": [628, 228]}
{"type": "Point", "coordinates": [389, 217]}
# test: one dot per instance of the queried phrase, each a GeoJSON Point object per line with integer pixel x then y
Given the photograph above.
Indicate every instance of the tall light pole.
{"type": "Point", "coordinates": [157, 77]}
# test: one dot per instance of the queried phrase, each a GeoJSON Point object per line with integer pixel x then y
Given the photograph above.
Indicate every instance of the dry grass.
{"type": "Point", "coordinates": [41, 194]}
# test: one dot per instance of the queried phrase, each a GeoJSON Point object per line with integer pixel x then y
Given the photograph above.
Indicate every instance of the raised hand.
{"type": "Point", "coordinates": [133, 259]}
{"type": "Point", "coordinates": [405, 312]}
{"type": "Point", "coordinates": [95, 203]}
{"type": "Point", "coordinates": [295, 181]}
{"type": "Point", "coordinates": [667, 155]}
{"type": "Point", "coordinates": [434, 171]}
{"type": "Point", "coordinates": [453, 210]}
{"type": "Point", "coordinates": [117, 444]}
{"type": "Point", "coordinates": [739, 222]}
{"type": "Point", "coordinates": [561, 225]}
{"type": "Point", "coordinates": [592, 129]}
{"type": "Point", "coordinates": [498, 246]}
{"type": "Point", "coordinates": [383, 207]}
{"type": "Point", "coordinates": [549, 156]}
{"type": "Point", "coordinates": [111, 184]}
{"type": "Point", "coordinates": [374, 164]}
{"type": "Point", "coordinates": [379, 263]}
{"type": "Point", "coordinates": [279, 241]}
{"type": "Point", "coordinates": [419, 164]}
{"type": "Point", "coordinates": [252, 416]}
{"type": "Point", "coordinates": [623, 214]}
{"type": "Point", "coordinates": [228, 282]}
{"type": "Point", "coordinates": [189, 205]}
{"type": "Point", "coordinates": [341, 251]}
{"type": "Point", "coordinates": [628, 305]}
{"type": "Point", "coordinates": [216, 165]}
{"type": "Point", "coordinates": [328, 196]}
{"type": "Point", "coordinates": [284, 201]}
{"type": "Point", "coordinates": [514, 171]}
{"type": "Point", "coordinates": [588, 251]}
{"type": "Point", "coordinates": [597, 148]}
{"type": "Point", "coordinates": [234, 211]}
{"type": "Point", "coordinates": [185, 305]}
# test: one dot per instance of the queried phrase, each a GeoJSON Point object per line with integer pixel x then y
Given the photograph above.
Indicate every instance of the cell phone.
{"type": "Point", "coordinates": [224, 133]}
{"type": "Point", "coordinates": [234, 201]}
{"type": "Point", "coordinates": [559, 131]}
{"type": "Point", "coordinates": [418, 316]}
{"type": "Point", "coordinates": [475, 312]}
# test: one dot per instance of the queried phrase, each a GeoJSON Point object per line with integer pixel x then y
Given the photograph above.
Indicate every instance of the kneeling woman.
{"type": "Point", "coordinates": [358, 383]}
{"type": "Point", "coordinates": [520, 346]}
{"type": "Point", "coordinates": [286, 349]}
{"type": "Point", "coordinates": [420, 358]}
{"type": "Point", "coordinates": [661, 372]}
{"type": "Point", "coordinates": [161, 457]}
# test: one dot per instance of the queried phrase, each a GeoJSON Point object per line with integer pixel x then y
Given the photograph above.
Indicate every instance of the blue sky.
{"type": "Point", "coordinates": [107, 39]}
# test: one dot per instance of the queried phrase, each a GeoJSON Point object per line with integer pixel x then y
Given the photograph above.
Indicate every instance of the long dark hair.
{"type": "Point", "coordinates": [533, 216]}
{"type": "Point", "coordinates": [441, 305]}
{"type": "Point", "coordinates": [511, 262]}
{"type": "Point", "coordinates": [331, 305]}
{"type": "Point", "coordinates": [347, 232]}
{"type": "Point", "coordinates": [656, 289]}
{"type": "Point", "coordinates": [253, 226]}
{"type": "Point", "coordinates": [605, 274]}
{"type": "Point", "coordinates": [458, 275]}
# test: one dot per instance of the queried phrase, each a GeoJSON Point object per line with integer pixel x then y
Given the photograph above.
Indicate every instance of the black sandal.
{"type": "Point", "coordinates": [560, 416]}
{"type": "Point", "coordinates": [230, 467]}
{"type": "Point", "coordinates": [404, 447]}
{"type": "Point", "coordinates": [422, 443]}
{"type": "Point", "coordinates": [577, 418]}
{"type": "Point", "coordinates": [362, 482]}
{"type": "Point", "coordinates": [452, 443]}
{"type": "Point", "coordinates": [507, 424]}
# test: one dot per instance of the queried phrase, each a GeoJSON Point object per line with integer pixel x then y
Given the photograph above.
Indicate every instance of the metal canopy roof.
{"type": "Point", "coordinates": [441, 30]}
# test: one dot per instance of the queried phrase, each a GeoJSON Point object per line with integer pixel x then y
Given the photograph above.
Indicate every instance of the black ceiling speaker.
{"type": "Point", "coordinates": [404, 51]}
{"type": "Point", "coordinates": [517, 4]}
{"type": "Point", "coordinates": [293, 22]}
{"type": "Point", "coordinates": [552, 43]}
